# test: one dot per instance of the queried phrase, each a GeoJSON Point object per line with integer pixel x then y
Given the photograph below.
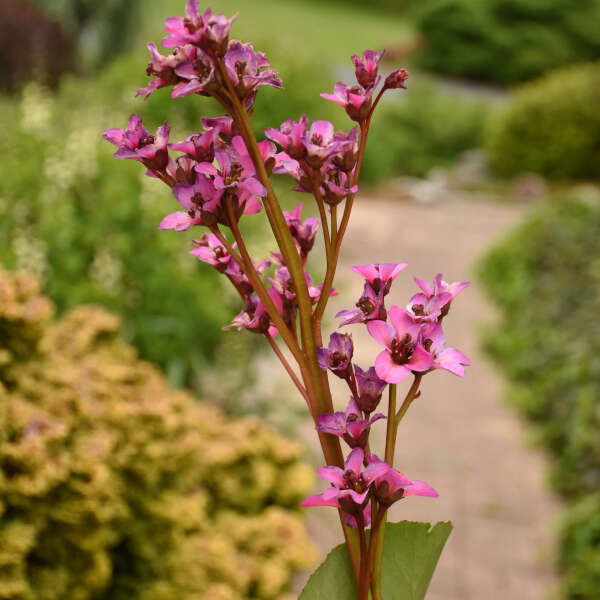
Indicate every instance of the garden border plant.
{"type": "Point", "coordinates": [222, 174]}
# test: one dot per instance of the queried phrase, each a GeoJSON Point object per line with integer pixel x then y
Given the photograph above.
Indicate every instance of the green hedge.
{"type": "Point", "coordinates": [551, 126]}
{"type": "Point", "coordinates": [115, 487]}
{"type": "Point", "coordinates": [421, 128]}
{"type": "Point", "coordinates": [546, 280]}
{"type": "Point", "coordinates": [506, 41]}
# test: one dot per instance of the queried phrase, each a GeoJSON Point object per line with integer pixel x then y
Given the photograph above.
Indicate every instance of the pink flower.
{"type": "Point", "coordinates": [349, 425]}
{"type": "Point", "coordinates": [290, 136]}
{"type": "Point", "coordinates": [380, 276]}
{"type": "Point", "coordinates": [200, 146]}
{"type": "Point", "coordinates": [255, 318]}
{"type": "Point", "coordinates": [336, 185]}
{"type": "Point", "coordinates": [303, 232]}
{"type": "Point", "coordinates": [347, 153]}
{"type": "Point", "coordinates": [211, 251]}
{"type": "Point", "coordinates": [200, 200]}
{"type": "Point", "coordinates": [396, 79]}
{"type": "Point", "coordinates": [448, 359]}
{"type": "Point", "coordinates": [369, 307]}
{"type": "Point", "coordinates": [137, 144]}
{"type": "Point", "coordinates": [404, 352]}
{"type": "Point", "coordinates": [207, 31]}
{"type": "Point", "coordinates": [248, 70]}
{"type": "Point", "coordinates": [355, 100]}
{"type": "Point", "coordinates": [434, 302]}
{"type": "Point", "coordinates": [176, 68]}
{"type": "Point", "coordinates": [366, 67]}
{"type": "Point", "coordinates": [227, 128]}
{"type": "Point", "coordinates": [349, 486]}
{"type": "Point", "coordinates": [393, 486]}
{"type": "Point", "coordinates": [441, 287]}
{"type": "Point", "coordinates": [370, 388]}
{"type": "Point", "coordinates": [337, 356]}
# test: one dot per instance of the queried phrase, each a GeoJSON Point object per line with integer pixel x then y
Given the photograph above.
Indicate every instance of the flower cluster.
{"type": "Point", "coordinates": [413, 343]}
{"type": "Point", "coordinates": [220, 175]}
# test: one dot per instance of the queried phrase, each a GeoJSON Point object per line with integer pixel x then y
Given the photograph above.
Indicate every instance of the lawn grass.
{"type": "Point", "coordinates": [330, 32]}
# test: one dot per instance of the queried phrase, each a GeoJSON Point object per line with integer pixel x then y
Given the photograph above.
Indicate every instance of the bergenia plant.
{"type": "Point", "coordinates": [219, 177]}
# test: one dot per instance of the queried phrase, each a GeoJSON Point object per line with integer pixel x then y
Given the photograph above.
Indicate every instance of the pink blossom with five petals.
{"type": "Point", "coordinates": [404, 351]}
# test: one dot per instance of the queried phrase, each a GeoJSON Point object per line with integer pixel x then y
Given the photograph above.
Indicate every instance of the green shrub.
{"type": "Point", "coordinates": [506, 41]}
{"type": "Point", "coordinates": [551, 126]}
{"type": "Point", "coordinates": [88, 224]}
{"type": "Point", "coordinates": [113, 486]}
{"type": "Point", "coordinates": [422, 129]}
{"type": "Point", "coordinates": [546, 280]}
{"type": "Point", "coordinates": [100, 29]}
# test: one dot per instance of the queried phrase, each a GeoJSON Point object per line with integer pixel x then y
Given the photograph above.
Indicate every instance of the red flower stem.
{"type": "Point", "coordinates": [315, 380]}
{"type": "Point", "coordinates": [377, 533]}
{"type": "Point", "coordinates": [288, 368]}
{"type": "Point", "coordinates": [332, 264]}
{"type": "Point", "coordinates": [390, 446]}
{"type": "Point", "coordinates": [334, 224]}
{"type": "Point", "coordinates": [389, 436]}
{"type": "Point", "coordinates": [363, 578]}
{"type": "Point", "coordinates": [323, 216]}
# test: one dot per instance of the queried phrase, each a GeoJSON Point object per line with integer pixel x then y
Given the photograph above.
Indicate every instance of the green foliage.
{"type": "Point", "coordinates": [101, 29]}
{"type": "Point", "coordinates": [551, 126]}
{"type": "Point", "coordinates": [113, 486]}
{"type": "Point", "coordinates": [412, 551]}
{"type": "Point", "coordinates": [421, 128]}
{"type": "Point", "coordinates": [88, 224]}
{"type": "Point", "coordinates": [506, 41]}
{"type": "Point", "coordinates": [546, 279]}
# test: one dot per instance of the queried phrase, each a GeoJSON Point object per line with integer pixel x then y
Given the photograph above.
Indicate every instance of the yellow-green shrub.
{"type": "Point", "coordinates": [113, 486]}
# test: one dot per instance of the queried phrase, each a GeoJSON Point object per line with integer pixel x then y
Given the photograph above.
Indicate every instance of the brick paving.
{"type": "Point", "coordinates": [459, 436]}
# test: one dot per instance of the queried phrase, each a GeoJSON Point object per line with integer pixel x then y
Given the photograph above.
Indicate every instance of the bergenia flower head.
{"type": "Point", "coordinates": [347, 153]}
{"type": "Point", "coordinates": [303, 232]}
{"type": "Point", "coordinates": [355, 100]}
{"type": "Point", "coordinates": [290, 136]}
{"type": "Point", "coordinates": [370, 306]}
{"type": "Point", "coordinates": [200, 146]}
{"type": "Point", "coordinates": [370, 388]}
{"type": "Point", "coordinates": [337, 357]}
{"type": "Point", "coordinates": [247, 69]}
{"type": "Point", "coordinates": [366, 67]}
{"type": "Point", "coordinates": [136, 143]}
{"type": "Point", "coordinates": [349, 425]}
{"type": "Point", "coordinates": [404, 351]}
{"type": "Point", "coordinates": [201, 202]}
{"type": "Point", "coordinates": [211, 251]}
{"type": "Point", "coordinates": [393, 485]}
{"type": "Point", "coordinates": [396, 80]}
{"type": "Point", "coordinates": [435, 300]}
{"type": "Point", "coordinates": [349, 486]}
{"type": "Point", "coordinates": [380, 276]}
{"type": "Point", "coordinates": [255, 318]}
{"type": "Point", "coordinates": [448, 359]}
{"type": "Point", "coordinates": [226, 126]}
{"type": "Point", "coordinates": [336, 185]}
{"type": "Point", "coordinates": [174, 68]}
{"type": "Point", "coordinates": [207, 31]}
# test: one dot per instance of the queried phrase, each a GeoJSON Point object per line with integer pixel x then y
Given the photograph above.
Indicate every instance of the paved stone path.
{"type": "Point", "coordinates": [458, 436]}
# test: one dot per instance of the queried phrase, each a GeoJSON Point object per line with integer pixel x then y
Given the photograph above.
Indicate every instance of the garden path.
{"type": "Point", "coordinates": [459, 436]}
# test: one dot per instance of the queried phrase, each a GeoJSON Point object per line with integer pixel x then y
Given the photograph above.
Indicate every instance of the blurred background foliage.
{"type": "Point", "coordinates": [516, 79]}
{"type": "Point", "coordinates": [114, 486]}
{"type": "Point", "coordinates": [546, 280]}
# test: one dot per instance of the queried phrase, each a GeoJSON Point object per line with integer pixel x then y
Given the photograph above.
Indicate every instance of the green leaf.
{"type": "Point", "coordinates": [411, 553]}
